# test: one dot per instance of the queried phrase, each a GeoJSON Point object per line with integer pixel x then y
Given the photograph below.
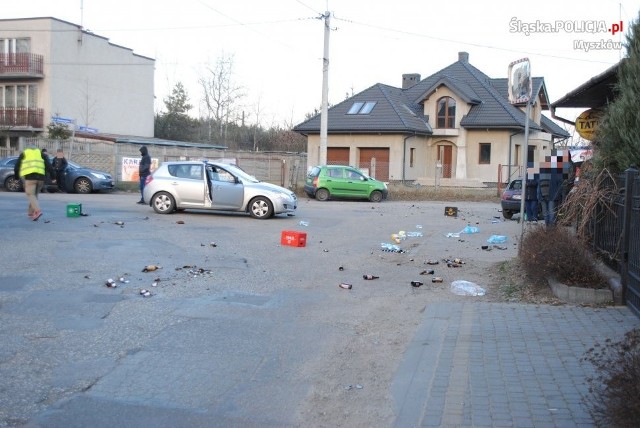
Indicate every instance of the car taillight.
{"type": "Point", "coordinates": [315, 182]}
{"type": "Point", "coordinates": [148, 180]}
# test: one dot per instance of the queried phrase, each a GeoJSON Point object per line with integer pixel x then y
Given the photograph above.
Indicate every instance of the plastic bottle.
{"type": "Point", "coordinates": [345, 286]}
{"type": "Point", "coordinates": [370, 277]}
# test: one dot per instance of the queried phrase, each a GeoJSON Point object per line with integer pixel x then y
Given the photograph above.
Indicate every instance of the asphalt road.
{"type": "Point", "coordinates": [234, 319]}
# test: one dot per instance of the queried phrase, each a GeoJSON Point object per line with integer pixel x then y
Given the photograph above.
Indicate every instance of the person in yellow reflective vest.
{"type": "Point", "coordinates": [32, 167]}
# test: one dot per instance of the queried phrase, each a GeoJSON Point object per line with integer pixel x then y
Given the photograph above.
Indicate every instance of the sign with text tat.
{"type": "Point", "coordinates": [587, 123]}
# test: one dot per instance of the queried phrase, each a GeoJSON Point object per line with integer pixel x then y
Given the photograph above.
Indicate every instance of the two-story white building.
{"type": "Point", "coordinates": [50, 67]}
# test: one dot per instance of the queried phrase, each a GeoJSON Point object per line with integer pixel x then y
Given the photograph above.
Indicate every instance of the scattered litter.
{"type": "Point", "coordinates": [466, 288]}
{"type": "Point", "coordinates": [155, 282]}
{"type": "Point", "coordinates": [87, 277]}
{"type": "Point", "coordinates": [340, 267]}
{"type": "Point", "coordinates": [486, 247]}
{"type": "Point", "coordinates": [432, 262]}
{"type": "Point", "coordinates": [111, 283]}
{"type": "Point", "coordinates": [495, 221]}
{"type": "Point", "coordinates": [303, 223]}
{"type": "Point", "coordinates": [151, 268]}
{"type": "Point", "coordinates": [414, 234]}
{"type": "Point", "coordinates": [391, 248]}
{"type": "Point", "coordinates": [119, 223]}
{"type": "Point", "coordinates": [500, 247]}
{"type": "Point", "coordinates": [350, 387]}
{"type": "Point", "coordinates": [436, 279]}
{"type": "Point", "coordinates": [369, 277]}
{"type": "Point", "coordinates": [416, 283]}
{"type": "Point", "coordinates": [428, 272]}
{"type": "Point", "coordinates": [453, 235]}
{"type": "Point", "coordinates": [470, 229]}
{"type": "Point", "coordinates": [418, 226]}
{"type": "Point", "coordinates": [345, 286]}
{"type": "Point", "coordinates": [145, 293]}
{"type": "Point", "coordinates": [123, 280]}
{"type": "Point", "coordinates": [213, 244]}
{"type": "Point", "coordinates": [497, 239]}
{"type": "Point", "coordinates": [180, 222]}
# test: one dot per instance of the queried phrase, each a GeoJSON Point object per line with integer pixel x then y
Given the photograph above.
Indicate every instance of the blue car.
{"type": "Point", "coordinates": [78, 179]}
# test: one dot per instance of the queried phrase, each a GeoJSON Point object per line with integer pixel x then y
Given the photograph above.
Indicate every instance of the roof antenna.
{"type": "Point", "coordinates": [81, 22]}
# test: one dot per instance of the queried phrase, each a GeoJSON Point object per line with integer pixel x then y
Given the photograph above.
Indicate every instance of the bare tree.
{"type": "Point", "coordinates": [221, 95]}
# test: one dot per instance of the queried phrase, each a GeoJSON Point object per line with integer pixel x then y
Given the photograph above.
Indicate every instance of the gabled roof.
{"type": "Point", "coordinates": [488, 97]}
{"type": "Point", "coordinates": [391, 114]}
{"type": "Point", "coordinates": [461, 88]}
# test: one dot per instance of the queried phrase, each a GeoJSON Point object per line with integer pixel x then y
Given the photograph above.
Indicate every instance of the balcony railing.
{"type": "Point", "coordinates": [20, 64]}
{"type": "Point", "coordinates": [11, 118]}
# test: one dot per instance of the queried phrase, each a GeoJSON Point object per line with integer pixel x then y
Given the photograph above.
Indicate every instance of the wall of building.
{"type": "Point", "coordinates": [86, 78]}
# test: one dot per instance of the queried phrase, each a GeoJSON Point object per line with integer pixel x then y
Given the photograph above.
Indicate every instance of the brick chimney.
{"type": "Point", "coordinates": [463, 57]}
{"type": "Point", "coordinates": [408, 80]}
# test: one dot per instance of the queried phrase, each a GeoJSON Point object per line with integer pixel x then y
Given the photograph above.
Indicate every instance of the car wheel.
{"type": "Point", "coordinates": [13, 184]}
{"type": "Point", "coordinates": [322, 194]}
{"type": "Point", "coordinates": [261, 208]}
{"type": "Point", "coordinates": [163, 203]}
{"type": "Point", "coordinates": [507, 214]}
{"type": "Point", "coordinates": [83, 185]}
{"type": "Point", "coordinates": [375, 196]}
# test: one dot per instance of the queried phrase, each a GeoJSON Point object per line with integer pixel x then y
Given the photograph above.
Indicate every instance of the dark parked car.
{"type": "Point", "coordinates": [511, 198]}
{"type": "Point", "coordinates": [78, 179]}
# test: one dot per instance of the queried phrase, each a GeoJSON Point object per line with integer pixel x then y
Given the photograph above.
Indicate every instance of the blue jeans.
{"type": "Point", "coordinates": [549, 212]}
{"type": "Point", "coordinates": [142, 180]}
{"type": "Point", "coordinates": [531, 209]}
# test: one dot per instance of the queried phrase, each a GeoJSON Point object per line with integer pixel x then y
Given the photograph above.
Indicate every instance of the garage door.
{"type": "Point", "coordinates": [337, 155]}
{"type": "Point", "coordinates": [376, 162]}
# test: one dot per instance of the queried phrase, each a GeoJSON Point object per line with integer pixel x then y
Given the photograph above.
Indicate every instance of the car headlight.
{"type": "Point", "coordinates": [100, 176]}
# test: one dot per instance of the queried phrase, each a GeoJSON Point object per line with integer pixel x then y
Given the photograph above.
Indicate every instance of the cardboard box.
{"type": "Point", "coordinates": [293, 238]}
{"type": "Point", "coordinates": [74, 210]}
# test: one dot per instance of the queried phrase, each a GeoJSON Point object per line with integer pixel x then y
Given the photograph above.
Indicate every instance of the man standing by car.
{"type": "Point", "coordinates": [60, 165]}
{"type": "Point", "coordinates": [32, 167]}
{"type": "Point", "coordinates": [144, 170]}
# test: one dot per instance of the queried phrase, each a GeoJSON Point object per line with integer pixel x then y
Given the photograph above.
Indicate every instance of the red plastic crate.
{"type": "Point", "coordinates": [293, 238]}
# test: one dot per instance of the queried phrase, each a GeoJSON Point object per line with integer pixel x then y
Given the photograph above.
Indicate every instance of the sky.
{"type": "Point", "coordinates": [277, 46]}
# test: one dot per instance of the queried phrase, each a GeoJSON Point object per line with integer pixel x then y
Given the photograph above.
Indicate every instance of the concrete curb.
{"type": "Point", "coordinates": [579, 294]}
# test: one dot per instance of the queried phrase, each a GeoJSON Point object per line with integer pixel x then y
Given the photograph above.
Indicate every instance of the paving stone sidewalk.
{"type": "Point", "coordinates": [502, 365]}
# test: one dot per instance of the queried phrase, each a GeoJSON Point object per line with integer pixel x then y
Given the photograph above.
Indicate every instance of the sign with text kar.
{"type": "Point", "coordinates": [130, 168]}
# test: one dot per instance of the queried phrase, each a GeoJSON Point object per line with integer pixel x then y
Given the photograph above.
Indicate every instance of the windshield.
{"type": "Point", "coordinates": [242, 176]}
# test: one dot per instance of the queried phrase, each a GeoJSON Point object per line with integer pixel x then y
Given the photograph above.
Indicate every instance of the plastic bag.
{"type": "Point", "coordinates": [497, 239]}
{"type": "Point", "coordinates": [466, 288]}
{"type": "Point", "coordinates": [470, 229]}
{"type": "Point", "coordinates": [453, 235]}
{"type": "Point", "coordinates": [390, 247]}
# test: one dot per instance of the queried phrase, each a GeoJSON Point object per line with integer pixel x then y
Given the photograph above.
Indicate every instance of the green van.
{"type": "Point", "coordinates": [340, 181]}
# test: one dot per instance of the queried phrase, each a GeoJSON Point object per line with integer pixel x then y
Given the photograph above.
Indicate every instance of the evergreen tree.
{"type": "Point", "coordinates": [175, 123]}
{"type": "Point", "coordinates": [618, 134]}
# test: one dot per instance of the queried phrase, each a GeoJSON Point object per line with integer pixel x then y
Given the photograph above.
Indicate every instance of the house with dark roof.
{"type": "Point", "coordinates": [456, 126]}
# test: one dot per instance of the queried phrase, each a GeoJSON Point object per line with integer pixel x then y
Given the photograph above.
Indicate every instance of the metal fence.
{"type": "Point", "coordinates": [615, 234]}
{"type": "Point", "coordinates": [282, 168]}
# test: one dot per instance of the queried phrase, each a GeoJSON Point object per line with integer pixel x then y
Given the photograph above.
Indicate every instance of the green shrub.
{"type": "Point", "coordinates": [556, 252]}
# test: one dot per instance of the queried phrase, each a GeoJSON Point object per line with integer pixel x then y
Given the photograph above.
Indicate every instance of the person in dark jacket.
{"type": "Point", "coordinates": [144, 170]}
{"type": "Point", "coordinates": [32, 167]}
{"type": "Point", "coordinates": [531, 200]}
{"type": "Point", "coordinates": [549, 196]}
{"type": "Point", "coordinates": [60, 166]}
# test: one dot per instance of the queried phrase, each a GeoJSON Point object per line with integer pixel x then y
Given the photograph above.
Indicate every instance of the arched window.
{"type": "Point", "coordinates": [446, 113]}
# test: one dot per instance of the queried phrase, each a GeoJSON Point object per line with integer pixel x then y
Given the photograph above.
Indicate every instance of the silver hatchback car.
{"type": "Point", "coordinates": [206, 185]}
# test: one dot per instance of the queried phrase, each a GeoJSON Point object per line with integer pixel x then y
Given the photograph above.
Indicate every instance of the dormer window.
{"type": "Point", "coordinates": [446, 113]}
{"type": "Point", "coordinates": [362, 107]}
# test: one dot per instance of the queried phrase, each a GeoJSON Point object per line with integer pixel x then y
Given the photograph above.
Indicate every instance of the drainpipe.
{"type": "Point", "coordinates": [404, 157]}
{"type": "Point", "coordinates": [510, 145]}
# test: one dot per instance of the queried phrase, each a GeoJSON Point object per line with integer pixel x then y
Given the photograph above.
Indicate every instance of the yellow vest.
{"type": "Point", "coordinates": [32, 162]}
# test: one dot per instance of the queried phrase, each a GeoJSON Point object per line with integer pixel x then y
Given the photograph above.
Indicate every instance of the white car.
{"type": "Point", "coordinates": [206, 185]}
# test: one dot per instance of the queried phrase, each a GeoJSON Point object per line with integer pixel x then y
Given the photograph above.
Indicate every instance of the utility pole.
{"type": "Point", "coordinates": [325, 90]}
